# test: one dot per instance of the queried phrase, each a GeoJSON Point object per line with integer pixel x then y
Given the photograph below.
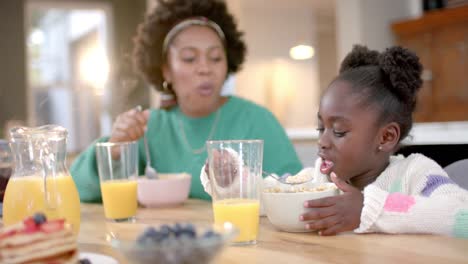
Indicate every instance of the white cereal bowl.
{"type": "Point", "coordinates": [169, 189]}
{"type": "Point", "coordinates": [284, 208]}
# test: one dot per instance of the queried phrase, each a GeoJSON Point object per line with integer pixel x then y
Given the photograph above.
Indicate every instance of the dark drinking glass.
{"type": "Point", "coordinates": [6, 166]}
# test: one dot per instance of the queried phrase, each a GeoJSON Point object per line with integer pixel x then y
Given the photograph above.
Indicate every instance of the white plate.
{"type": "Point", "coordinates": [96, 258]}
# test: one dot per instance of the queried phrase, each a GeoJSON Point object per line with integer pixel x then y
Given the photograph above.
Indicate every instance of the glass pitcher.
{"type": "Point", "coordinates": [40, 181]}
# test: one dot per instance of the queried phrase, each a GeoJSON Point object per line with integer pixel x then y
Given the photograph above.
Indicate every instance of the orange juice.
{"type": "Point", "coordinates": [243, 213]}
{"type": "Point", "coordinates": [25, 196]}
{"type": "Point", "coordinates": [119, 198]}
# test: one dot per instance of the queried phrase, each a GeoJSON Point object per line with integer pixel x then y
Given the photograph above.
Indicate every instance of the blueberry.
{"type": "Point", "coordinates": [166, 230]}
{"type": "Point", "coordinates": [187, 231]}
{"type": "Point", "coordinates": [150, 231]}
{"type": "Point", "coordinates": [210, 234]}
{"type": "Point", "coordinates": [177, 227]}
{"type": "Point", "coordinates": [151, 236]}
{"type": "Point", "coordinates": [176, 230]}
{"type": "Point", "coordinates": [160, 237]}
{"type": "Point", "coordinates": [85, 261]}
{"type": "Point", "coordinates": [190, 227]}
{"type": "Point", "coordinates": [39, 218]}
{"type": "Point", "coordinates": [187, 234]}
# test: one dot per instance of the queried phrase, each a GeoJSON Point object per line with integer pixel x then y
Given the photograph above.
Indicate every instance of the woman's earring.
{"type": "Point", "coordinates": [165, 86]}
{"type": "Point", "coordinates": [380, 148]}
{"type": "Point", "coordinates": [167, 98]}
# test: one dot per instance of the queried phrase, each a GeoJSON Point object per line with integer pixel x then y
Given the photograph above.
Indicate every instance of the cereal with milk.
{"type": "Point", "coordinates": [301, 177]}
{"type": "Point", "coordinates": [297, 189]}
{"type": "Point", "coordinates": [307, 180]}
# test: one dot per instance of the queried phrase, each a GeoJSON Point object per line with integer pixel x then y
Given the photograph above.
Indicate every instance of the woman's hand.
{"type": "Point", "coordinates": [331, 215]}
{"type": "Point", "coordinates": [129, 126]}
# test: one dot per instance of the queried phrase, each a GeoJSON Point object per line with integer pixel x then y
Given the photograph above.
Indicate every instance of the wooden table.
{"type": "Point", "coordinates": [280, 247]}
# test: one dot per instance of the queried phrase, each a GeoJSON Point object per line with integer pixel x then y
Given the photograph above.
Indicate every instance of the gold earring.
{"type": "Point", "coordinates": [165, 86]}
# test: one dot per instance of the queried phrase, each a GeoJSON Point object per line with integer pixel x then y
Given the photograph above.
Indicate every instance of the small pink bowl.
{"type": "Point", "coordinates": [169, 189]}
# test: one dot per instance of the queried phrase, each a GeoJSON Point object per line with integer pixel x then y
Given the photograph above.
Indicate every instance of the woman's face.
{"type": "Point", "coordinates": [196, 69]}
{"type": "Point", "coordinates": [348, 134]}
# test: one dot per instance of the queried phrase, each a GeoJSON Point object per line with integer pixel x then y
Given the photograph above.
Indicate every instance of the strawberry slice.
{"type": "Point", "coordinates": [52, 225]}
{"type": "Point", "coordinates": [29, 222]}
{"type": "Point", "coordinates": [30, 225]}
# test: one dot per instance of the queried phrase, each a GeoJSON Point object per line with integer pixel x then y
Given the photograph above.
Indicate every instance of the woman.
{"type": "Point", "coordinates": [186, 49]}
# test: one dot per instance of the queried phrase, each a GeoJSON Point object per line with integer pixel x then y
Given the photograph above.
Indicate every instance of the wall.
{"type": "Point", "coordinates": [368, 22]}
{"type": "Point", "coordinates": [269, 77]}
{"type": "Point", "coordinates": [127, 15]}
{"type": "Point", "coordinates": [326, 52]}
{"type": "Point", "coordinates": [12, 63]}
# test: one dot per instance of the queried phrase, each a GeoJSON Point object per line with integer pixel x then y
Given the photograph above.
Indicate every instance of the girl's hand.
{"type": "Point", "coordinates": [331, 215]}
{"type": "Point", "coordinates": [129, 126]}
{"type": "Point", "coordinates": [225, 166]}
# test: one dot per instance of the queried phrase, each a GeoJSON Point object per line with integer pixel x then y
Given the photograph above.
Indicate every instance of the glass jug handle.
{"type": "Point", "coordinates": [50, 186]}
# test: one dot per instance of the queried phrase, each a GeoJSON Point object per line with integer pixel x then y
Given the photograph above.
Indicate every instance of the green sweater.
{"type": "Point", "coordinates": [173, 139]}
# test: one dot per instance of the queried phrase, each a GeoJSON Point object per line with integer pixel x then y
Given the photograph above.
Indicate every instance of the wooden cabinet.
{"type": "Point", "coordinates": [440, 39]}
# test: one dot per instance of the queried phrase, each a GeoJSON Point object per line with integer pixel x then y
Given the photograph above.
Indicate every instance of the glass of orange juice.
{"type": "Point", "coordinates": [235, 169]}
{"type": "Point", "coordinates": [118, 172]}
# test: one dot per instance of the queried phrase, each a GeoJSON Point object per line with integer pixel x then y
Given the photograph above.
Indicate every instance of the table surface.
{"type": "Point", "coordinates": [281, 247]}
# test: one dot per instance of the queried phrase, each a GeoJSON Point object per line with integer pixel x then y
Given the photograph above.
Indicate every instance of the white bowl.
{"type": "Point", "coordinates": [284, 208]}
{"type": "Point", "coordinates": [169, 189]}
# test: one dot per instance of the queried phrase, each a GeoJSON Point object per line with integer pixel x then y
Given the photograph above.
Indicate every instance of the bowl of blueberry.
{"type": "Point", "coordinates": [177, 243]}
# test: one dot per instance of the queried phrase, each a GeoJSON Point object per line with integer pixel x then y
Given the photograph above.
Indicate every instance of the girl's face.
{"type": "Point", "coordinates": [197, 69]}
{"type": "Point", "coordinates": [348, 134]}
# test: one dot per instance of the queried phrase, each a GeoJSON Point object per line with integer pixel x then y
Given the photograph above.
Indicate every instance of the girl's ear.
{"type": "Point", "coordinates": [389, 137]}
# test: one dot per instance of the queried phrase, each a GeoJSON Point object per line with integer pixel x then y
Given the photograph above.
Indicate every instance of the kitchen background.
{"type": "Point", "coordinates": [67, 62]}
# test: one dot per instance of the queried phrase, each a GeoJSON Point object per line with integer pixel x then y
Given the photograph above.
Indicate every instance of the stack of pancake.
{"type": "Point", "coordinates": [36, 240]}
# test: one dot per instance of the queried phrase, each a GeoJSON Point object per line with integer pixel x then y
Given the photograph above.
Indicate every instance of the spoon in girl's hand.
{"type": "Point", "coordinates": [150, 172]}
{"type": "Point", "coordinates": [289, 179]}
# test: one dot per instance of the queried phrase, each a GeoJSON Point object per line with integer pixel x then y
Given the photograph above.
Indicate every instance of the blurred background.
{"type": "Point", "coordinates": [67, 62]}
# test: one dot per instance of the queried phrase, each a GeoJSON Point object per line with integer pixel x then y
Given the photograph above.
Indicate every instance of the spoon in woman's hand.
{"type": "Point", "coordinates": [150, 172]}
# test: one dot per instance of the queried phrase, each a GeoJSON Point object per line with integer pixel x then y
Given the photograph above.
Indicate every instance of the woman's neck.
{"type": "Point", "coordinates": [197, 113]}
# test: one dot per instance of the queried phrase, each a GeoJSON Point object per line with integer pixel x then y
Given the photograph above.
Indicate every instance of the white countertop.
{"type": "Point", "coordinates": [302, 133]}
{"type": "Point", "coordinates": [421, 134]}
{"type": "Point", "coordinates": [438, 133]}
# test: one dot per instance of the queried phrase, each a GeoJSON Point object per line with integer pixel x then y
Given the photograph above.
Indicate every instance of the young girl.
{"type": "Point", "coordinates": [364, 114]}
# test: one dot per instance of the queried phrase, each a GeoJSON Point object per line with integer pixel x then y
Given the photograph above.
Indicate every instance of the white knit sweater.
{"type": "Point", "coordinates": [415, 195]}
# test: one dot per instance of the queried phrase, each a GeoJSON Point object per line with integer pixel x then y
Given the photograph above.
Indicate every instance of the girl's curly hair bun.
{"type": "Point", "coordinates": [358, 57]}
{"type": "Point", "coordinates": [403, 69]}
